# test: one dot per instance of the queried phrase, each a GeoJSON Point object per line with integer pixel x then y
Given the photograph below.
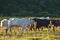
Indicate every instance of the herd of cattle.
{"type": "Point", "coordinates": [28, 23]}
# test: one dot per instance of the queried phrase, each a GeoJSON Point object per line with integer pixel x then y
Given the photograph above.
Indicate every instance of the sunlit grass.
{"type": "Point", "coordinates": [30, 35]}
{"type": "Point", "coordinates": [18, 34]}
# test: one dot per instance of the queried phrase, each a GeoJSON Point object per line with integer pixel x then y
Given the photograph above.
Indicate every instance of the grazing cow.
{"type": "Point", "coordinates": [23, 23]}
{"type": "Point", "coordinates": [41, 22]}
{"type": "Point", "coordinates": [55, 23]}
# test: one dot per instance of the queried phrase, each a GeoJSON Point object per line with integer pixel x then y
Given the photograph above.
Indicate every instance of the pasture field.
{"type": "Point", "coordinates": [30, 35]}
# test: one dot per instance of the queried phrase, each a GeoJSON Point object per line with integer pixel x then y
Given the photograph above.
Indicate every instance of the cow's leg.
{"type": "Point", "coordinates": [53, 28]}
{"type": "Point", "coordinates": [30, 27]}
{"type": "Point", "coordinates": [10, 29]}
{"type": "Point", "coordinates": [49, 27]}
{"type": "Point", "coordinates": [33, 27]}
{"type": "Point", "coordinates": [18, 28]}
{"type": "Point", "coordinates": [37, 28]}
{"type": "Point", "coordinates": [6, 30]}
{"type": "Point", "coordinates": [41, 28]}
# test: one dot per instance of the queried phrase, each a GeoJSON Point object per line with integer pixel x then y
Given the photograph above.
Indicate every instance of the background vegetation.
{"type": "Point", "coordinates": [27, 8]}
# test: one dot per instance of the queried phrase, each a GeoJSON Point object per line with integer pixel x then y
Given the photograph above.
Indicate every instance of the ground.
{"type": "Point", "coordinates": [30, 35]}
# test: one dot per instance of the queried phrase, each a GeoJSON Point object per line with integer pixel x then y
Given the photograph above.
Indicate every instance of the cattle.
{"type": "Point", "coordinates": [47, 18]}
{"type": "Point", "coordinates": [56, 23]}
{"type": "Point", "coordinates": [41, 18]}
{"type": "Point", "coordinates": [42, 22]}
{"type": "Point", "coordinates": [23, 23]}
{"type": "Point", "coordinates": [4, 23]}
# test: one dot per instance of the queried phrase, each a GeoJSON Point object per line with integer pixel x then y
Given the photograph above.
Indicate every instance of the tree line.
{"type": "Point", "coordinates": [34, 8]}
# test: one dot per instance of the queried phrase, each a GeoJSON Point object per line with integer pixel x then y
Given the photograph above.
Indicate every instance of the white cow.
{"type": "Point", "coordinates": [41, 18]}
{"type": "Point", "coordinates": [44, 18]}
{"type": "Point", "coordinates": [4, 23]}
{"type": "Point", "coordinates": [23, 22]}
{"type": "Point", "coordinates": [47, 18]}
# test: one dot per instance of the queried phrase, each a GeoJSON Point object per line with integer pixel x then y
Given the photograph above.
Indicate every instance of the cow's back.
{"type": "Point", "coordinates": [56, 22]}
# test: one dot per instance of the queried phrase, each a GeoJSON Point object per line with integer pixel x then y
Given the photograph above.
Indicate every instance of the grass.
{"type": "Point", "coordinates": [30, 35]}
